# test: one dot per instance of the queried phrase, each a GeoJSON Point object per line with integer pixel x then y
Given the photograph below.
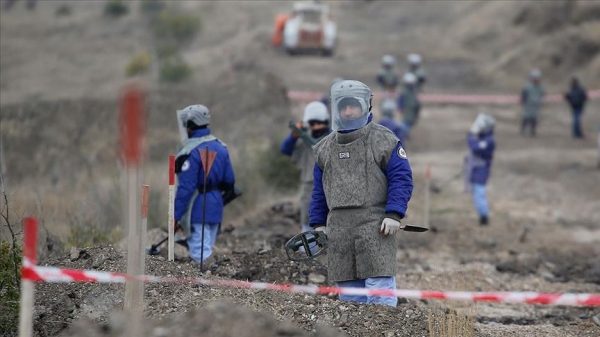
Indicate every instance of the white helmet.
{"type": "Point", "coordinates": [535, 74]}
{"type": "Point", "coordinates": [388, 60]}
{"type": "Point", "coordinates": [409, 78]}
{"type": "Point", "coordinates": [483, 123]}
{"type": "Point", "coordinates": [315, 111]}
{"type": "Point", "coordinates": [414, 59]}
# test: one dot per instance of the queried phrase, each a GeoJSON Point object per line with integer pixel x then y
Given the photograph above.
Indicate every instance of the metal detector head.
{"type": "Point", "coordinates": [306, 246]}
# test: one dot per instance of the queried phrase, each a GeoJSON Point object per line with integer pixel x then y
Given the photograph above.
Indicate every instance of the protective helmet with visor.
{"type": "Point", "coordinates": [350, 105]}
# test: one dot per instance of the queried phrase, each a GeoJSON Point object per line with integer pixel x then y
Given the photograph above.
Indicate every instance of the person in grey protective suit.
{"type": "Point", "coordinates": [409, 104]}
{"type": "Point", "coordinates": [362, 186]}
{"type": "Point", "coordinates": [386, 77]}
{"type": "Point", "coordinates": [415, 67]}
{"type": "Point", "coordinates": [298, 145]}
{"type": "Point", "coordinates": [532, 97]}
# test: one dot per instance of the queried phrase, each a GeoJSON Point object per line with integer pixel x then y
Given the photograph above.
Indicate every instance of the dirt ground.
{"type": "Point", "coordinates": [58, 126]}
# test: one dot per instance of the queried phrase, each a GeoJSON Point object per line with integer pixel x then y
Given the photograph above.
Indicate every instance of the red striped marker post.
{"type": "Point", "coordinates": [131, 125]}
{"type": "Point", "coordinates": [30, 230]}
{"type": "Point", "coordinates": [144, 211]}
{"type": "Point", "coordinates": [171, 220]}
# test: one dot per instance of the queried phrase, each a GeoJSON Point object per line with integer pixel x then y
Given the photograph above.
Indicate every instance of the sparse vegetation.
{"type": "Point", "coordinates": [176, 26]}
{"type": "Point", "coordinates": [63, 10]}
{"type": "Point", "coordinates": [278, 169]}
{"type": "Point", "coordinates": [10, 260]}
{"type": "Point", "coordinates": [174, 69]}
{"type": "Point", "coordinates": [448, 322]}
{"type": "Point", "coordinates": [116, 8]}
{"type": "Point", "coordinates": [139, 64]}
{"type": "Point", "coordinates": [9, 289]}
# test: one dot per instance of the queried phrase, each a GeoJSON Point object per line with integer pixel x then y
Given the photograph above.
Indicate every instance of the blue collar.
{"type": "Point", "coordinates": [200, 133]}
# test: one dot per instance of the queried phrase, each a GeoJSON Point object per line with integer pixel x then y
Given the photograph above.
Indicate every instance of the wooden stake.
{"type": "Point", "coordinates": [171, 220]}
{"type": "Point", "coordinates": [131, 125]}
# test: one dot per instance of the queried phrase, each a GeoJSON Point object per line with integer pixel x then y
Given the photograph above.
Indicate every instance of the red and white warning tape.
{"type": "Point", "coordinates": [307, 96]}
{"type": "Point", "coordinates": [53, 274]}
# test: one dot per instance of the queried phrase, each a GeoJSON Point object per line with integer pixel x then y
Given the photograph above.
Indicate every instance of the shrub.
{"type": "Point", "coordinates": [115, 8]}
{"type": "Point", "coordinates": [278, 170]}
{"type": "Point", "coordinates": [9, 289]}
{"type": "Point", "coordinates": [174, 69]}
{"type": "Point", "coordinates": [177, 26]}
{"type": "Point", "coordinates": [63, 10]}
{"type": "Point", "coordinates": [139, 64]}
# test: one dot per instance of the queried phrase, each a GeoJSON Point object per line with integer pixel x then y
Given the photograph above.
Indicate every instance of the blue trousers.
{"type": "Point", "coordinates": [381, 282]}
{"type": "Point", "coordinates": [577, 132]}
{"type": "Point", "coordinates": [480, 202]}
{"type": "Point", "coordinates": [211, 230]}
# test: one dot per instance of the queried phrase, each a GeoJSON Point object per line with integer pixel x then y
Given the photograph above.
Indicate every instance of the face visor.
{"type": "Point", "coordinates": [349, 113]}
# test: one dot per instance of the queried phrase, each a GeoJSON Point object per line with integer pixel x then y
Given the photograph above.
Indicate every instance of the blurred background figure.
{"type": "Point", "coordinates": [409, 104]}
{"type": "Point", "coordinates": [480, 140]}
{"type": "Point", "coordinates": [576, 97]}
{"type": "Point", "coordinates": [326, 99]}
{"type": "Point", "coordinates": [298, 145]}
{"type": "Point", "coordinates": [387, 78]}
{"type": "Point", "coordinates": [8, 4]}
{"type": "Point", "coordinates": [598, 165]}
{"type": "Point", "coordinates": [388, 113]}
{"type": "Point", "coordinates": [415, 66]}
{"type": "Point", "coordinates": [532, 97]}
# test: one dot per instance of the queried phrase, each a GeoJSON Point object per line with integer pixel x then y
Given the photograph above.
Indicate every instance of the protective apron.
{"type": "Point", "coordinates": [188, 147]}
{"type": "Point", "coordinates": [355, 187]}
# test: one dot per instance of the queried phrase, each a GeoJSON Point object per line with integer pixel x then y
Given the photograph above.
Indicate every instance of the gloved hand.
{"type": "Point", "coordinates": [390, 226]}
{"type": "Point", "coordinates": [321, 229]}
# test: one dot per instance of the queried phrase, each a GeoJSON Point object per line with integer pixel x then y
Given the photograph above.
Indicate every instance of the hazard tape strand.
{"type": "Point", "coordinates": [307, 96]}
{"type": "Point", "coordinates": [61, 275]}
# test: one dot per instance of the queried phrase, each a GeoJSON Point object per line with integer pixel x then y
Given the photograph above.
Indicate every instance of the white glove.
{"type": "Point", "coordinates": [390, 226]}
{"type": "Point", "coordinates": [321, 229]}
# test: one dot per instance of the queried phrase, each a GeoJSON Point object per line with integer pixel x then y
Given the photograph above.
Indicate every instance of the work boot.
{"type": "Point", "coordinates": [207, 264]}
{"type": "Point", "coordinates": [483, 220]}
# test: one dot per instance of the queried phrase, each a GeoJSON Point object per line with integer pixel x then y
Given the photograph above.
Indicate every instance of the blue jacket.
{"type": "Point", "coordinates": [479, 163]}
{"type": "Point", "coordinates": [400, 186]}
{"type": "Point", "coordinates": [190, 178]}
{"type": "Point", "coordinates": [288, 145]}
{"type": "Point", "coordinates": [395, 127]}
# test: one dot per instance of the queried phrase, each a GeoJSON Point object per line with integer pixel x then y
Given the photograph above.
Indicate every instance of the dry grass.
{"type": "Point", "coordinates": [449, 322]}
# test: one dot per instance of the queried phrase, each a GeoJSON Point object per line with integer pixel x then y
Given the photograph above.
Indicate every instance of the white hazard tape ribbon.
{"type": "Point", "coordinates": [307, 96]}
{"type": "Point", "coordinates": [53, 274]}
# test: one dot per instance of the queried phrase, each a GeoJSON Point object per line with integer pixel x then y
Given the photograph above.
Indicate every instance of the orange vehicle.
{"type": "Point", "coordinates": [277, 37]}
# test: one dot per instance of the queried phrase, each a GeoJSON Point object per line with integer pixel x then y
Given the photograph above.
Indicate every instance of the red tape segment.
{"type": "Point", "coordinates": [307, 96]}
{"type": "Point", "coordinates": [53, 274]}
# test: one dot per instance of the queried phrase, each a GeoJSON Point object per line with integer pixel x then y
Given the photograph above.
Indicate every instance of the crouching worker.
{"type": "Point", "coordinates": [189, 197]}
{"type": "Point", "coordinates": [362, 185]}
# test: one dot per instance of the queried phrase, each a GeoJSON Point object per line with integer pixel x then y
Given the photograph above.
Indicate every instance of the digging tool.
{"type": "Point", "coordinates": [308, 245]}
{"type": "Point", "coordinates": [438, 188]}
{"type": "Point", "coordinates": [228, 196]}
